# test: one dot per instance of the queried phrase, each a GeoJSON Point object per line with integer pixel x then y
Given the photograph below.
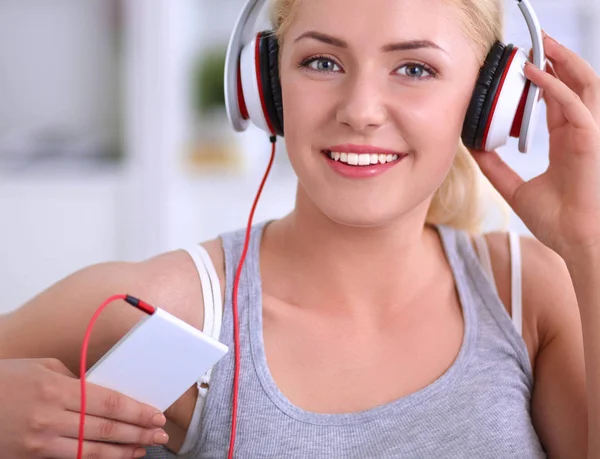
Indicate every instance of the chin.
{"type": "Point", "coordinates": [361, 215]}
{"type": "Point", "coordinates": [396, 195]}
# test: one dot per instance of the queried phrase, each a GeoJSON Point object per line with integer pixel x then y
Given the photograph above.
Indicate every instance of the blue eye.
{"type": "Point", "coordinates": [321, 64]}
{"type": "Point", "coordinates": [416, 71]}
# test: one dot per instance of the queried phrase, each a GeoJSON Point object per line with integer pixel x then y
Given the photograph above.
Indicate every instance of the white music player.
{"type": "Point", "coordinates": [157, 360]}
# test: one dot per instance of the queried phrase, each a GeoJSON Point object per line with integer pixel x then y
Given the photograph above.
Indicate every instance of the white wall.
{"type": "Point", "coordinates": [50, 227]}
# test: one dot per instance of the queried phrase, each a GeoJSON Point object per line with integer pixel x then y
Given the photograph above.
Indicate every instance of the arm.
{"type": "Point", "coordinates": [559, 405]}
{"type": "Point", "coordinates": [584, 269]}
{"type": "Point", "coordinates": [53, 323]}
{"type": "Point", "coordinates": [552, 333]}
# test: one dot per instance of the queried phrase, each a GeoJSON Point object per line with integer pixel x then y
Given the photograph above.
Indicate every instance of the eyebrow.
{"type": "Point", "coordinates": [399, 46]}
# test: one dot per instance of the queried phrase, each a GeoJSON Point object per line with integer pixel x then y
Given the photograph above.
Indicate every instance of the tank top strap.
{"type": "Point", "coordinates": [219, 394]}
{"type": "Point", "coordinates": [453, 243]}
{"type": "Point", "coordinates": [233, 247]}
{"type": "Point", "coordinates": [473, 277]}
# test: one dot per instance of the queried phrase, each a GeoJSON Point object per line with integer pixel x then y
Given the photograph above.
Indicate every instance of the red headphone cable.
{"type": "Point", "coordinates": [149, 309]}
{"type": "Point", "coordinates": [236, 325]}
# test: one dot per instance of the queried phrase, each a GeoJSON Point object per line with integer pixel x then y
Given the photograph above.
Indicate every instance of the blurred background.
{"type": "Point", "coordinates": [114, 143]}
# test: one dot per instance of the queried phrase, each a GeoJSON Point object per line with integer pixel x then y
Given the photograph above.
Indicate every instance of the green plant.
{"type": "Point", "coordinates": [208, 80]}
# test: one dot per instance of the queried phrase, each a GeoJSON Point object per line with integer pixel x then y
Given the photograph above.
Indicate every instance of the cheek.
{"type": "Point", "coordinates": [305, 104]}
{"type": "Point", "coordinates": [434, 118]}
{"type": "Point", "coordinates": [297, 124]}
{"type": "Point", "coordinates": [432, 124]}
{"type": "Point", "coordinates": [306, 110]}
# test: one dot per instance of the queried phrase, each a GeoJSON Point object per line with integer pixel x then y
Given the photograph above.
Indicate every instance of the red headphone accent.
{"type": "Point", "coordinates": [241, 100]}
{"type": "Point", "coordinates": [515, 131]}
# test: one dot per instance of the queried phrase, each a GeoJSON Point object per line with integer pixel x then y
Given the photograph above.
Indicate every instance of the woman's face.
{"type": "Point", "coordinates": [391, 78]}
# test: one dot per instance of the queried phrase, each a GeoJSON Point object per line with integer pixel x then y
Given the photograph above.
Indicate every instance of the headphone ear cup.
{"type": "Point", "coordinates": [477, 116]}
{"type": "Point", "coordinates": [269, 74]}
{"type": "Point", "coordinates": [273, 45]}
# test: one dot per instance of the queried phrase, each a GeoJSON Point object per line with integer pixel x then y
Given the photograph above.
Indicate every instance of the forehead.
{"type": "Point", "coordinates": [381, 21]}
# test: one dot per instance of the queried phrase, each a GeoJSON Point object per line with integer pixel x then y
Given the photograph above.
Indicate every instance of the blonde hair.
{"type": "Point", "coordinates": [458, 201]}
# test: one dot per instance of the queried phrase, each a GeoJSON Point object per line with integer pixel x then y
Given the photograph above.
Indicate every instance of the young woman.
{"type": "Point", "coordinates": [369, 327]}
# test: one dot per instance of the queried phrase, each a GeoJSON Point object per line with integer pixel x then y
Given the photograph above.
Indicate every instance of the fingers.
{"type": "Point", "coordinates": [550, 70]}
{"type": "Point", "coordinates": [57, 366]}
{"type": "Point", "coordinates": [500, 175]}
{"type": "Point", "coordinates": [108, 430]}
{"type": "Point", "coordinates": [541, 95]}
{"type": "Point", "coordinates": [554, 114]}
{"type": "Point", "coordinates": [571, 105]}
{"type": "Point", "coordinates": [65, 448]}
{"type": "Point", "coordinates": [575, 72]}
{"type": "Point", "coordinates": [109, 404]}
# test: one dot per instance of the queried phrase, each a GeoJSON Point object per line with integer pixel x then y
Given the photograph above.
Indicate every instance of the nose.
{"type": "Point", "coordinates": [362, 105]}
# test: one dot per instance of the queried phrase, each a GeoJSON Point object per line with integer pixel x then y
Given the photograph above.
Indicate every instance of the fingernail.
{"type": "Point", "coordinates": [140, 452]}
{"type": "Point", "coordinates": [159, 420]}
{"type": "Point", "coordinates": [160, 438]}
{"type": "Point", "coordinates": [550, 39]}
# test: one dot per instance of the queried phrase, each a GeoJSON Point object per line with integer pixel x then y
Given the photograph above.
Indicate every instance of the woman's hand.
{"type": "Point", "coordinates": [561, 207]}
{"type": "Point", "coordinates": [40, 411]}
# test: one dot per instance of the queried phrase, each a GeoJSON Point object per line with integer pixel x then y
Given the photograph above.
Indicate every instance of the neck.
{"type": "Point", "coordinates": [350, 269]}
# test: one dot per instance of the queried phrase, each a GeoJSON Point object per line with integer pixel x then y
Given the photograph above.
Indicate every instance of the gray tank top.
{"type": "Point", "coordinates": [479, 408]}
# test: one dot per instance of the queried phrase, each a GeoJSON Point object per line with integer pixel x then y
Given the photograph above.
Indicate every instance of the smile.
{"type": "Point", "coordinates": [361, 159]}
{"type": "Point", "coordinates": [362, 164]}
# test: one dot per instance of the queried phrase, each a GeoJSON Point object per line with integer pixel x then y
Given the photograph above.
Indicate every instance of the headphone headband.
{"type": "Point", "coordinates": [242, 34]}
{"type": "Point", "coordinates": [531, 105]}
{"type": "Point", "coordinates": [535, 30]}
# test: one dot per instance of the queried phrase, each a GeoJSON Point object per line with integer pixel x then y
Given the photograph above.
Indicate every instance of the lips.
{"type": "Point", "coordinates": [362, 149]}
{"type": "Point", "coordinates": [362, 159]}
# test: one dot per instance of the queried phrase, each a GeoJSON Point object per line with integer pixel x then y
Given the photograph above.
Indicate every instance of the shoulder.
{"type": "Point", "coordinates": [548, 298]}
{"type": "Point", "coordinates": [172, 281]}
{"type": "Point", "coordinates": [169, 281]}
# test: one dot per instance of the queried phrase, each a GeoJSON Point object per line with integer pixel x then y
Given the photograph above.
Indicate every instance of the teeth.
{"type": "Point", "coordinates": [364, 159]}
